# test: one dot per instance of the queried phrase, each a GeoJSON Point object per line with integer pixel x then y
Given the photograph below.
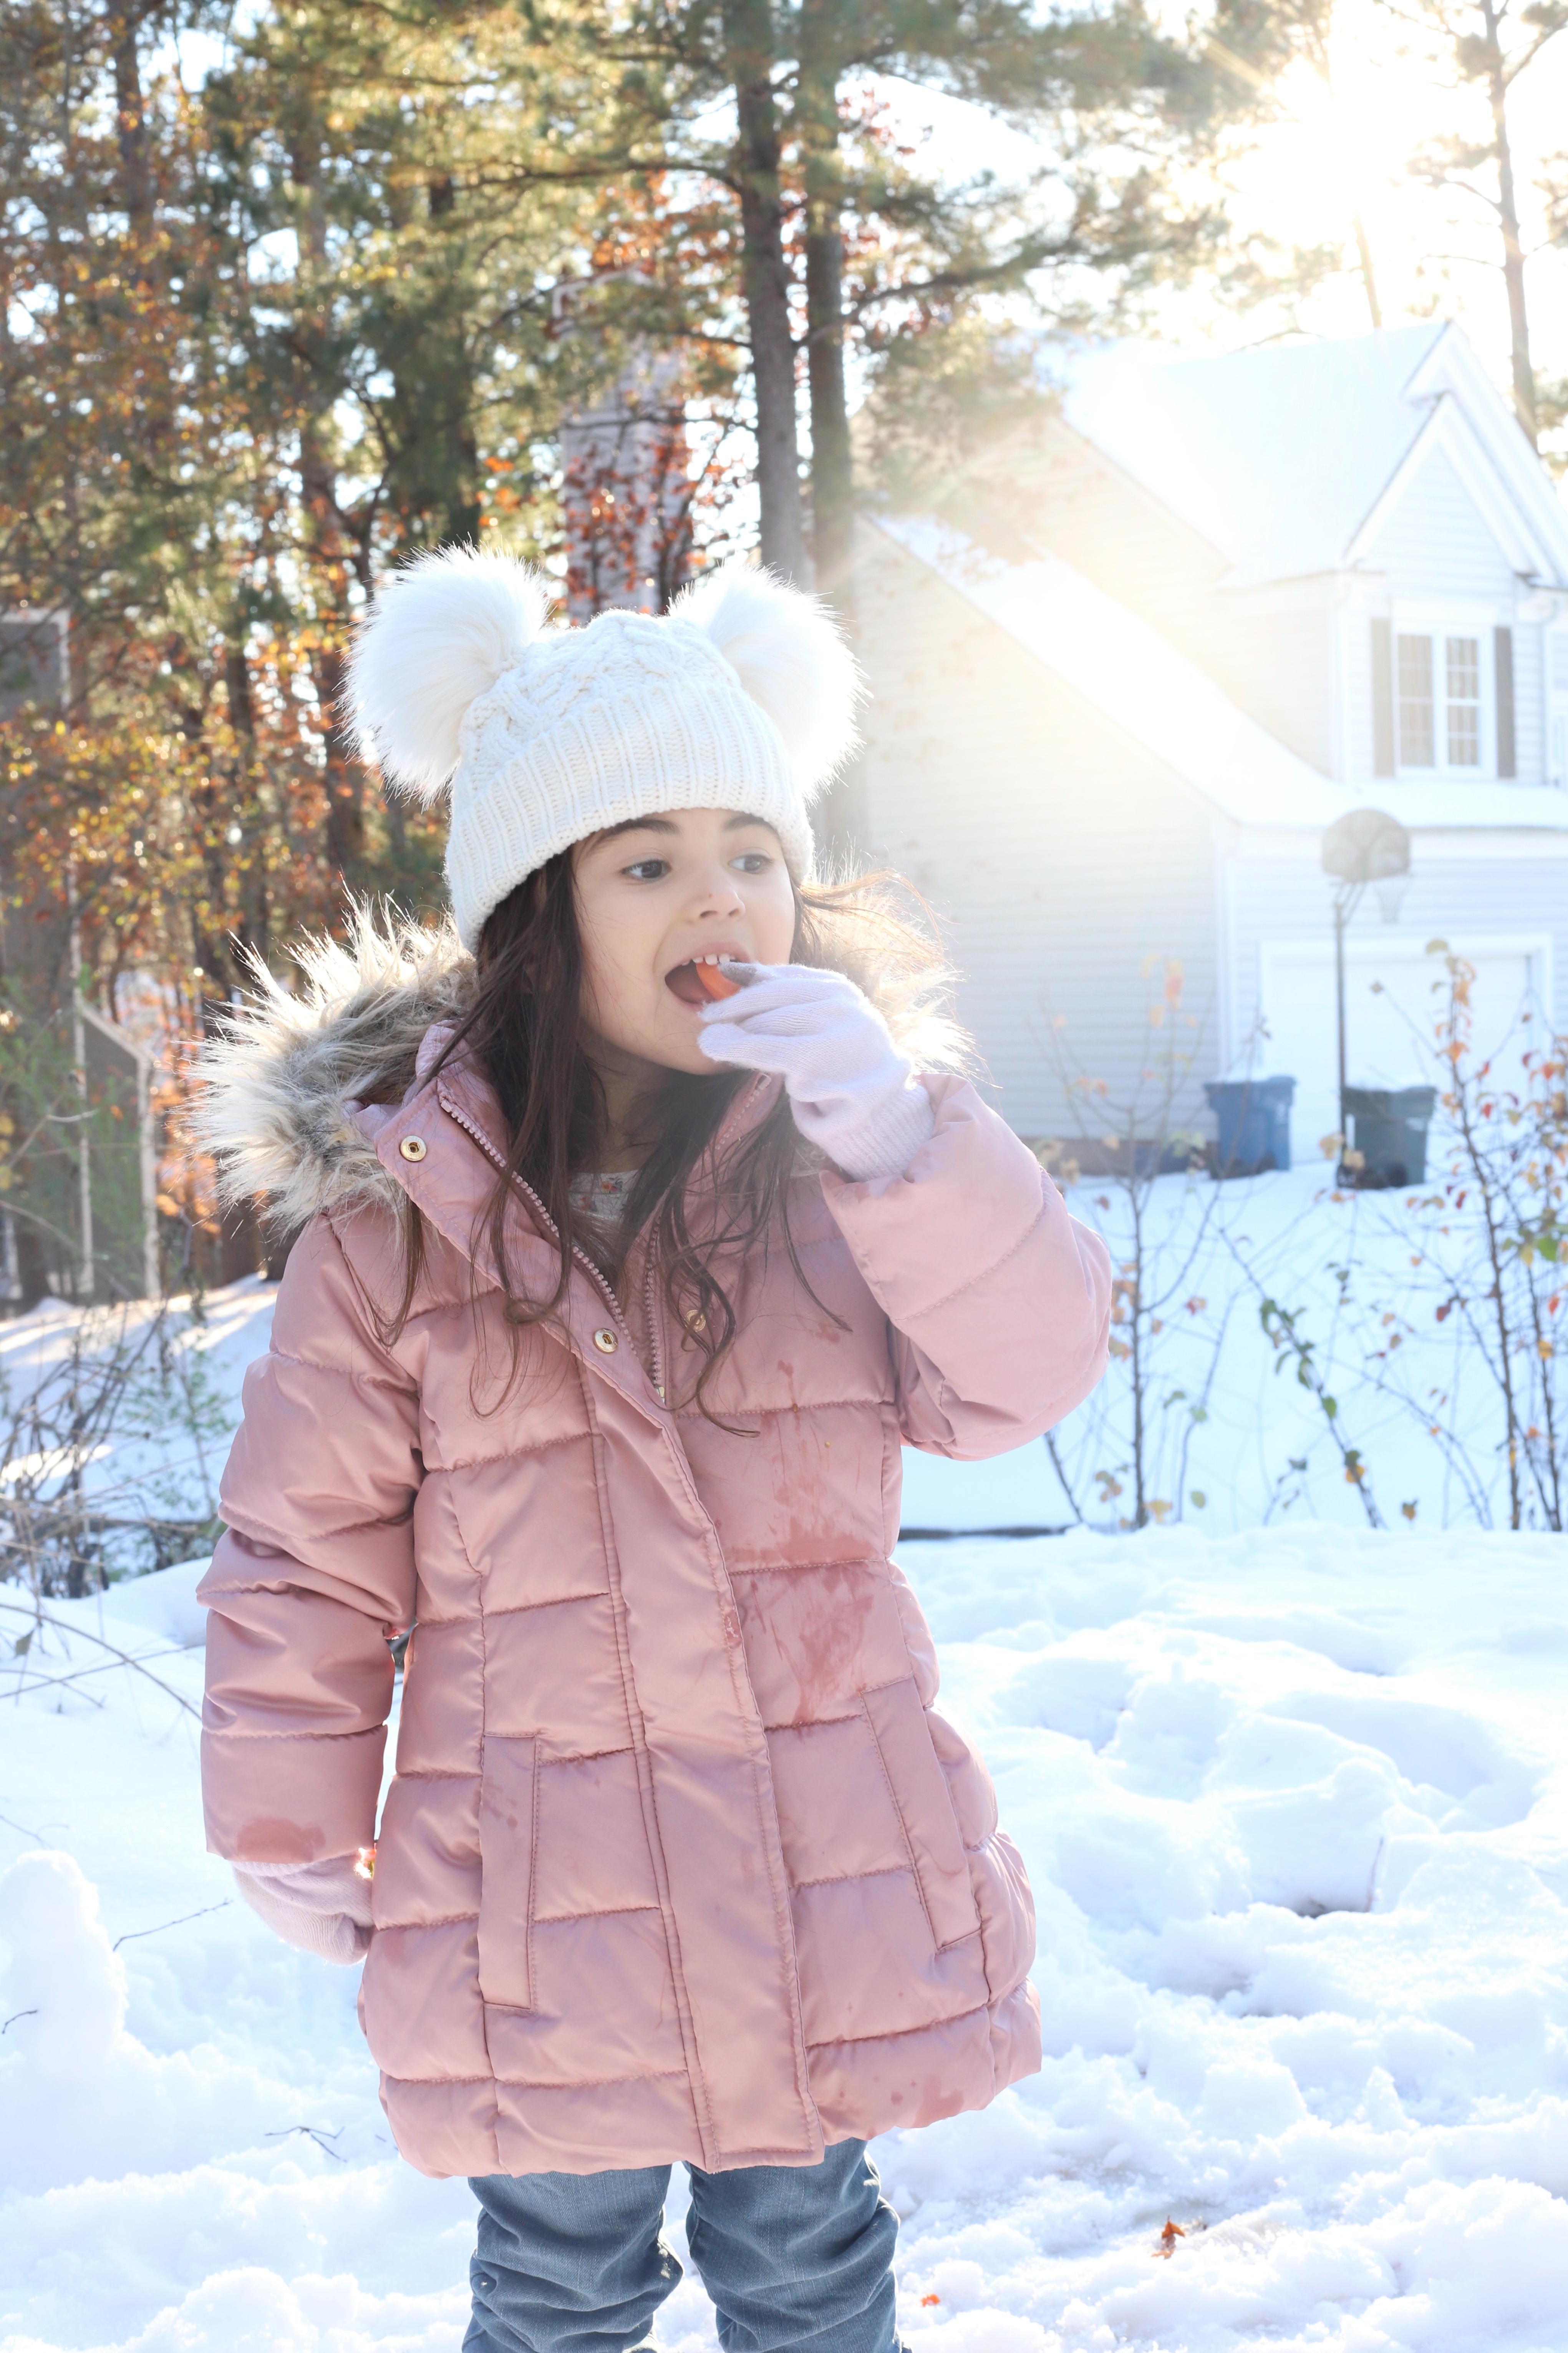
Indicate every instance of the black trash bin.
{"type": "Point", "coordinates": [1254, 1116]}
{"type": "Point", "coordinates": [1388, 1128]}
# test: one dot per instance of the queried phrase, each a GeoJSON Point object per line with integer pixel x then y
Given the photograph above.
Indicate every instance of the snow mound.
{"type": "Point", "coordinates": [64, 1977]}
{"type": "Point", "coordinates": [159, 1611]}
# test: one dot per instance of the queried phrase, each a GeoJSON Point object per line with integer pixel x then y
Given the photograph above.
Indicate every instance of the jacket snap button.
{"type": "Point", "coordinates": [412, 1147]}
{"type": "Point", "coordinates": [605, 1340]}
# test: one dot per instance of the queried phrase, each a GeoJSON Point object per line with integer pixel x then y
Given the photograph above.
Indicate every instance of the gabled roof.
{"type": "Point", "coordinates": [1287, 458]}
{"type": "Point", "coordinates": [1139, 680]}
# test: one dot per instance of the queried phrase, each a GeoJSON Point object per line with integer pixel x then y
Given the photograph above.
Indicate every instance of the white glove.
{"type": "Point", "coordinates": [853, 1093]}
{"type": "Point", "coordinates": [322, 1907]}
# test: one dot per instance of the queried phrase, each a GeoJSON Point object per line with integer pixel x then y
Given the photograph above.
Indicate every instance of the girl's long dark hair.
{"type": "Point", "coordinates": [525, 1028]}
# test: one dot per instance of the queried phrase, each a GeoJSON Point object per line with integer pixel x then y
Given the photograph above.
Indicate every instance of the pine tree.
{"type": "Point", "coordinates": [1483, 49]}
{"type": "Point", "coordinates": [283, 327]}
{"type": "Point", "coordinates": [1121, 109]}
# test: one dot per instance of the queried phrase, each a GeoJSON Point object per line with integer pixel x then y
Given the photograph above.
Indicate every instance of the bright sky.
{"type": "Point", "coordinates": [1306, 173]}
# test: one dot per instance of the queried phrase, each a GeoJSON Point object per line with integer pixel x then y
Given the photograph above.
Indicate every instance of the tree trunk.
{"type": "Point", "coordinates": [344, 783]}
{"type": "Point", "coordinates": [461, 521]}
{"type": "Point", "coordinates": [832, 481]}
{"type": "Point", "coordinates": [839, 815]}
{"type": "Point", "coordinates": [130, 111]}
{"type": "Point", "coordinates": [324, 521]}
{"type": "Point", "coordinates": [1317, 28]}
{"type": "Point", "coordinates": [241, 1250]}
{"type": "Point", "coordinates": [1368, 276]}
{"type": "Point", "coordinates": [1508, 217]}
{"type": "Point", "coordinates": [251, 930]}
{"type": "Point", "coordinates": [749, 43]}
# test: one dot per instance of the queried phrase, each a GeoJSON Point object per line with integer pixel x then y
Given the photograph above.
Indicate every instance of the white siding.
{"type": "Point", "coordinates": [1272, 656]}
{"type": "Point", "coordinates": [1061, 852]}
{"type": "Point", "coordinates": [1074, 503]}
{"type": "Point", "coordinates": [1438, 543]}
{"type": "Point", "coordinates": [1276, 663]}
{"type": "Point", "coordinates": [1530, 701]}
{"type": "Point", "coordinates": [1353, 624]}
{"type": "Point", "coordinates": [1275, 900]}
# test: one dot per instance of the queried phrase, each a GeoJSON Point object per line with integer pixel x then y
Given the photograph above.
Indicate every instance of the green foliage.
{"type": "Point", "coordinates": [946, 394]}
{"type": "Point", "coordinates": [266, 334]}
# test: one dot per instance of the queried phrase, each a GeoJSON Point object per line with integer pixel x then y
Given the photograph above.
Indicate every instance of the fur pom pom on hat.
{"type": "Point", "coordinates": [741, 696]}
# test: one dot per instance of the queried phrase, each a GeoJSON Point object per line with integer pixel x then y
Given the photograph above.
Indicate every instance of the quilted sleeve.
{"type": "Point", "coordinates": [999, 1301]}
{"type": "Point", "coordinates": [314, 1570]}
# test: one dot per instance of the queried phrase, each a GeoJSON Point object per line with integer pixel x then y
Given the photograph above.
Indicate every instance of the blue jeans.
{"type": "Point", "coordinates": [795, 2257]}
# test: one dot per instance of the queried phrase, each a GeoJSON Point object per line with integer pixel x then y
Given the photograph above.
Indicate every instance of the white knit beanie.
{"type": "Point", "coordinates": [741, 696]}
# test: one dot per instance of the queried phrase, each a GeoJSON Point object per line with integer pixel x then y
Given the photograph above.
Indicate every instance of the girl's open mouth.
{"type": "Point", "coordinates": [701, 981]}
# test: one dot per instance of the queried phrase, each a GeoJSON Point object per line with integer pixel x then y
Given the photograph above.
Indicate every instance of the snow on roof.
{"type": "Point", "coordinates": [1123, 666]}
{"type": "Point", "coordinates": [1278, 457]}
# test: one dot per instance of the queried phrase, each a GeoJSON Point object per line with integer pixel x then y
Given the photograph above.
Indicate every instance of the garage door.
{"type": "Point", "coordinates": [1394, 993]}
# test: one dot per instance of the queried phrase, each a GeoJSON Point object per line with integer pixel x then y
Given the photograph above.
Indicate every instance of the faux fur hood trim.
{"type": "Point", "coordinates": [283, 1083]}
{"type": "Point", "coordinates": [282, 1086]}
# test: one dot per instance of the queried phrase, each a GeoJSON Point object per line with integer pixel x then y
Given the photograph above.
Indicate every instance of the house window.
{"type": "Point", "coordinates": [1417, 737]}
{"type": "Point", "coordinates": [1439, 694]}
{"type": "Point", "coordinates": [1462, 662]}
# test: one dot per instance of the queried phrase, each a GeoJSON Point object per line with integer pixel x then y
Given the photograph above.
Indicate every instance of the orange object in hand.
{"type": "Point", "coordinates": [717, 983]}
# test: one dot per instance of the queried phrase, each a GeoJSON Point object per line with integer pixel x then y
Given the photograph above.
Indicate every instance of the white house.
{"type": "Point", "coordinates": [1144, 655]}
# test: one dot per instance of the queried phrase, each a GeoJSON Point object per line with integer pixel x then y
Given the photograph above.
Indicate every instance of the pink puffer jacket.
{"type": "Point", "coordinates": [677, 1861]}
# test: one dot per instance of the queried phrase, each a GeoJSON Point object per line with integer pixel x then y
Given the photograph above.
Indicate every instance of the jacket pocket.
{"type": "Point", "coordinates": [935, 1843]}
{"type": "Point", "coordinates": [509, 1813]}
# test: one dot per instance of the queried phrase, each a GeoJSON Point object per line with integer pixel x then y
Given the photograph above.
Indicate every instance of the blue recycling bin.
{"type": "Point", "coordinates": [1254, 1116]}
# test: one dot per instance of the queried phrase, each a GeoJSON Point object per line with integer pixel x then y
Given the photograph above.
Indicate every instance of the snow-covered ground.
{"type": "Point", "coordinates": [1294, 1804]}
{"type": "Point", "coordinates": [1233, 1439]}
{"type": "Point", "coordinates": [1296, 1809]}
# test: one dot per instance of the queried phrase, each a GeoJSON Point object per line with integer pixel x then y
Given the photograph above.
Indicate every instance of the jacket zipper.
{"type": "Point", "coordinates": [584, 1260]}
{"type": "Point", "coordinates": [650, 1308]}
{"type": "Point", "coordinates": [650, 1315]}
{"type": "Point", "coordinates": [655, 1352]}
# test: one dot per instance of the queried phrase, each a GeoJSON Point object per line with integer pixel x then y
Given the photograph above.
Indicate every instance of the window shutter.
{"type": "Point", "coordinates": [1383, 697]}
{"type": "Point", "coordinates": [1507, 758]}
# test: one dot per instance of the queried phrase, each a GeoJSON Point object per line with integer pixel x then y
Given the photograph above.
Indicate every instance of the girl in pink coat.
{"type": "Point", "coordinates": [640, 1231]}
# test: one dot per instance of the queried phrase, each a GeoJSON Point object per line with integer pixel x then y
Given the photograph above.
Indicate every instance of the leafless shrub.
{"type": "Point", "coordinates": [1488, 1243]}
{"type": "Point", "coordinates": [1138, 1431]}
{"type": "Point", "coordinates": [111, 1434]}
